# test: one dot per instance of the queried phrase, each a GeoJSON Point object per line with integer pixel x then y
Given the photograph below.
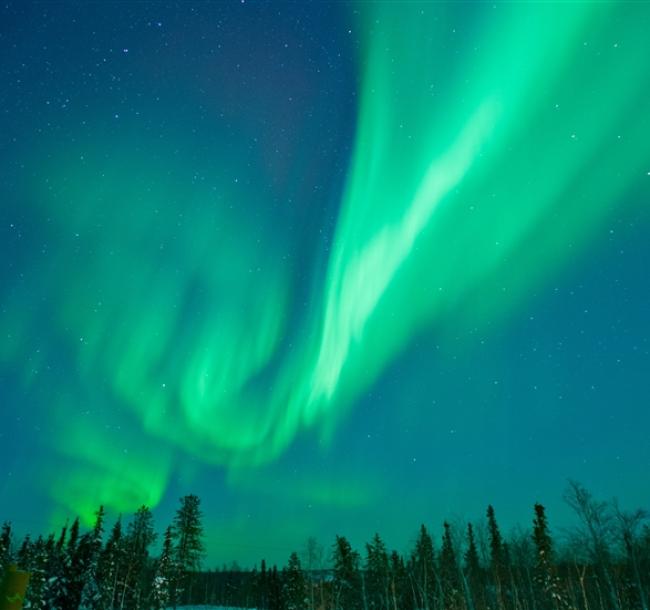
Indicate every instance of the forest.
{"type": "Point", "coordinates": [601, 563]}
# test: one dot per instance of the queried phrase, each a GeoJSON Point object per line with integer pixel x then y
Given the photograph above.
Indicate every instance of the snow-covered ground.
{"type": "Point", "coordinates": [211, 608]}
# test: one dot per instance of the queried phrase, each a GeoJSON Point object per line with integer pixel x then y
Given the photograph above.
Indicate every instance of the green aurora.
{"type": "Point", "coordinates": [466, 189]}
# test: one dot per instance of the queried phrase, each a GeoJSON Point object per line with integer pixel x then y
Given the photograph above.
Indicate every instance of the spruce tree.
{"type": "Point", "coordinates": [35, 597]}
{"type": "Point", "coordinates": [377, 575]}
{"type": "Point", "coordinates": [24, 556]}
{"type": "Point", "coordinates": [474, 573]}
{"type": "Point", "coordinates": [110, 566]}
{"type": "Point", "coordinates": [262, 587]}
{"type": "Point", "coordinates": [294, 585]}
{"type": "Point", "coordinates": [60, 543]}
{"type": "Point", "coordinates": [400, 590]}
{"type": "Point", "coordinates": [5, 546]}
{"type": "Point", "coordinates": [497, 559]}
{"type": "Point", "coordinates": [347, 580]}
{"type": "Point", "coordinates": [91, 596]}
{"type": "Point", "coordinates": [140, 536]}
{"type": "Point", "coordinates": [73, 537]}
{"type": "Point", "coordinates": [424, 572]}
{"type": "Point", "coordinates": [449, 574]}
{"type": "Point", "coordinates": [75, 562]}
{"type": "Point", "coordinates": [50, 563]}
{"type": "Point", "coordinates": [56, 590]}
{"type": "Point", "coordinates": [77, 570]}
{"type": "Point", "coordinates": [546, 580]}
{"type": "Point", "coordinates": [276, 599]}
{"type": "Point", "coordinates": [188, 536]}
{"type": "Point", "coordinates": [163, 589]}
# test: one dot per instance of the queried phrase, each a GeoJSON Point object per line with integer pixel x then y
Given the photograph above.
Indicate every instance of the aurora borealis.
{"type": "Point", "coordinates": [328, 266]}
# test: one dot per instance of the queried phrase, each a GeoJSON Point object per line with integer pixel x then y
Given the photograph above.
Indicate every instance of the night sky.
{"type": "Point", "coordinates": [335, 268]}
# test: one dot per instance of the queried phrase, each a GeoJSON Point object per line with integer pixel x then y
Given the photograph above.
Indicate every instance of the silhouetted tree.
{"type": "Point", "coordinates": [548, 593]}
{"type": "Point", "coordinates": [70, 571]}
{"type": "Point", "coordinates": [91, 595]}
{"type": "Point", "coordinates": [275, 599]}
{"type": "Point", "coordinates": [594, 535]}
{"type": "Point", "coordinates": [73, 537]}
{"type": "Point", "coordinates": [24, 556]}
{"type": "Point", "coordinates": [188, 537]}
{"type": "Point", "coordinates": [163, 587]}
{"type": "Point", "coordinates": [295, 589]}
{"type": "Point", "coordinates": [5, 546]}
{"type": "Point", "coordinates": [497, 558]}
{"type": "Point", "coordinates": [110, 566]}
{"type": "Point", "coordinates": [628, 525]}
{"type": "Point", "coordinates": [56, 590]}
{"type": "Point", "coordinates": [449, 574]}
{"type": "Point", "coordinates": [347, 580]}
{"type": "Point", "coordinates": [139, 537]}
{"type": "Point", "coordinates": [475, 589]}
{"type": "Point", "coordinates": [377, 575]}
{"type": "Point", "coordinates": [262, 587]}
{"type": "Point", "coordinates": [35, 597]}
{"type": "Point", "coordinates": [423, 571]}
{"type": "Point", "coordinates": [401, 594]}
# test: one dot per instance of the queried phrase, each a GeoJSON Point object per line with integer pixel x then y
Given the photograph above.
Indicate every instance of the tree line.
{"type": "Point", "coordinates": [74, 570]}
{"type": "Point", "coordinates": [603, 563]}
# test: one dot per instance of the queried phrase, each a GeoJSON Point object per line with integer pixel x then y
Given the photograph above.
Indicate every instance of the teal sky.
{"type": "Point", "coordinates": [335, 268]}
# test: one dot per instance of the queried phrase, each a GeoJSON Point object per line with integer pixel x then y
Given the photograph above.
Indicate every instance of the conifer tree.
{"type": "Point", "coordinates": [35, 596]}
{"type": "Point", "coordinates": [496, 542]}
{"type": "Point", "coordinates": [31, 558]}
{"type": "Point", "coordinates": [497, 559]}
{"type": "Point", "coordinates": [66, 571]}
{"type": "Point", "coordinates": [140, 536]}
{"type": "Point", "coordinates": [401, 597]}
{"type": "Point", "coordinates": [377, 575]}
{"type": "Point", "coordinates": [295, 587]}
{"type": "Point", "coordinates": [77, 569]}
{"type": "Point", "coordinates": [110, 566]}
{"type": "Point", "coordinates": [24, 556]}
{"type": "Point", "coordinates": [262, 587]}
{"type": "Point", "coordinates": [347, 580]}
{"type": "Point", "coordinates": [60, 543]}
{"type": "Point", "coordinates": [545, 578]}
{"type": "Point", "coordinates": [276, 600]}
{"type": "Point", "coordinates": [56, 590]}
{"type": "Point", "coordinates": [424, 573]}
{"type": "Point", "coordinates": [188, 535]}
{"type": "Point", "coordinates": [474, 573]}
{"type": "Point", "coordinates": [91, 595]}
{"type": "Point", "coordinates": [163, 589]}
{"type": "Point", "coordinates": [5, 546]}
{"type": "Point", "coordinates": [73, 537]}
{"type": "Point", "coordinates": [449, 574]}
{"type": "Point", "coordinates": [74, 563]}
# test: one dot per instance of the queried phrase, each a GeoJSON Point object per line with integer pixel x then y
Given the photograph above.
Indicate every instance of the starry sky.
{"type": "Point", "coordinates": [333, 267]}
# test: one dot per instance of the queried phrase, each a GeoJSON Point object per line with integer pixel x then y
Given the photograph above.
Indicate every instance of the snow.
{"type": "Point", "coordinates": [211, 608]}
